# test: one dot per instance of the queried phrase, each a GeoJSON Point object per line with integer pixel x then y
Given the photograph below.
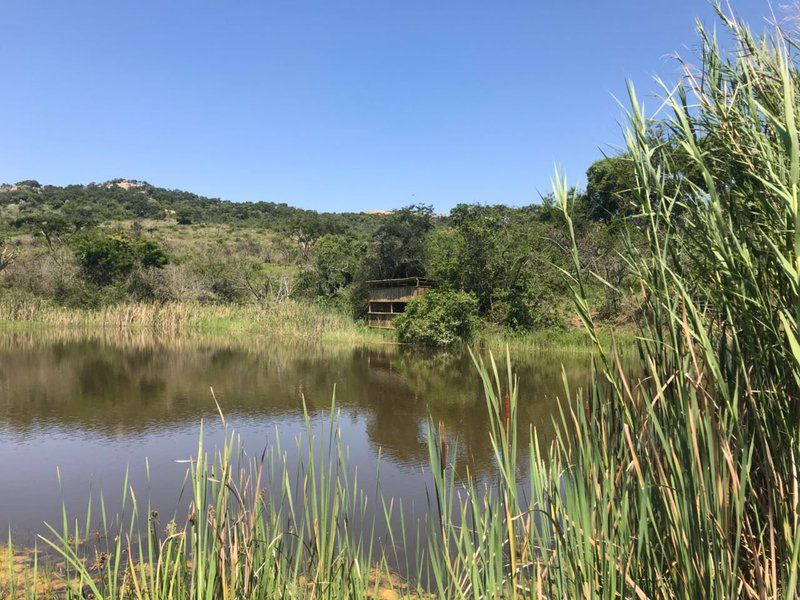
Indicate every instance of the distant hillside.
{"type": "Point", "coordinates": [28, 203]}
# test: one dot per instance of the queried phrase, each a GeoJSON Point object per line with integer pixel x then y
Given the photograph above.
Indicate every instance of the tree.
{"type": "Point", "coordinates": [185, 215]}
{"type": "Point", "coordinates": [335, 272]}
{"type": "Point", "coordinates": [336, 262]}
{"type": "Point", "coordinates": [150, 253]}
{"type": "Point", "coordinates": [443, 256]}
{"type": "Point", "coordinates": [306, 229]}
{"type": "Point", "coordinates": [50, 225]}
{"type": "Point", "coordinates": [610, 185]}
{"type": "Point", "coordinates": [400, 241]}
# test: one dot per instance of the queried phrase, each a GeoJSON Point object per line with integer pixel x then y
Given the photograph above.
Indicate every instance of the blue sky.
{"type": "Point", "coordinates": [331, 105]}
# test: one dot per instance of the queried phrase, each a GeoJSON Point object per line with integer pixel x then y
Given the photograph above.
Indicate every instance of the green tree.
{"type": "Point", "coordinates": [305, 229]}
{"type": "Point", "coordinates": [334, 266]}
{"type": "Point", "coordinates": [505, 257]}
{"type": "Point", "coordinates": [31, 183]}
{"type": "Point", "coordinates": [150, 253]}
{"type": "Point", "coordinates": [399, 243]}
{"type": "Point", "coordinates": [443, 256]}
{"type": "Point", "coordinates": [610, 188]}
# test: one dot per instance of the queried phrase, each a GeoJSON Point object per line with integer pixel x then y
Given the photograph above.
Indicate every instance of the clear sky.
{"type": "Point", "coordinates": [330, 105]}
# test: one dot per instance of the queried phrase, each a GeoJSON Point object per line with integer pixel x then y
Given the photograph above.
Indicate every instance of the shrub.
{"type": "Point", "coordinates": [151, 254]}
{"type": "Point", "coordinates": [438, 318]}
{"type": "Point", "coordinates": [105, 259]}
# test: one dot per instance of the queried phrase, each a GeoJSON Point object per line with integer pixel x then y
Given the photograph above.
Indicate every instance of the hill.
{"type": "Point", "coordinates": [27, 203]}
{"type": "Point", "coordinates": [101, 244]}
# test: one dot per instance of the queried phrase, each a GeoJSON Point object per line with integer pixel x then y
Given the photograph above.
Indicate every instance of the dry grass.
{"type": "Point", "coordinates": [24, 572]}
{"type": "Point", "coordinates": [287, 318]}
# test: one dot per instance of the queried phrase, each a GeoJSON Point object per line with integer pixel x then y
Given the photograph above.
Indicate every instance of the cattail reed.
{"type": "Point", "coordinates": [506, 411]}
{"type": "Point", "coordinates": [442, 446]}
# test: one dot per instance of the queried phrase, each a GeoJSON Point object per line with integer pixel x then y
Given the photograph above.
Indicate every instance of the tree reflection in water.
{"type": "Point", "coordinates": [94, 400]}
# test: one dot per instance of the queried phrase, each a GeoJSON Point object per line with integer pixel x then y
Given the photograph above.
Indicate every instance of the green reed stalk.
{"type": "Point", "coordinates": [680, 481]}
{"type": "Point", "coordinates": [701, 449]}
{"type": "Point", "coordinates": [305, 535]}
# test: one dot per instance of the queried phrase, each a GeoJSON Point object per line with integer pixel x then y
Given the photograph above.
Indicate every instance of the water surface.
{"type": "Point", "coordinates": [85, 408]}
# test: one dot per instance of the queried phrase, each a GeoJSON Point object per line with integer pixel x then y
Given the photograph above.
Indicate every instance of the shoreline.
{"type": "Point", "coordinates": [288, 319]}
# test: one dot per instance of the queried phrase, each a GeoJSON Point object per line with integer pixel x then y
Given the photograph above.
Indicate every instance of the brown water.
{"type": "Point", "coordinates": [90, 407]}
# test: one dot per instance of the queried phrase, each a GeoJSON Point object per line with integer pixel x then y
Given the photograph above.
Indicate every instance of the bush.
{"type": "Point", "coordinates": [105, 259]}
{"type": "Point", "coordinates": [151, 254]}
{"type": "Point", "coordinates": [438, 318]}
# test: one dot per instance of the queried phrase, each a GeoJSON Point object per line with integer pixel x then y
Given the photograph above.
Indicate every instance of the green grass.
{"type": "Point", "coordinates": [253, 529]}
{"type": "Point", "coordinates": [567, 339]}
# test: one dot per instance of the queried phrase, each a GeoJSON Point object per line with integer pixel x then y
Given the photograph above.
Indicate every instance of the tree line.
{"type": "Point", "coordinates": [95, 244]}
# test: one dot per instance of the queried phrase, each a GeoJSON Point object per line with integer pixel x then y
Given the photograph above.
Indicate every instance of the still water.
{"type": "Point", "coordinates": [79, 410]}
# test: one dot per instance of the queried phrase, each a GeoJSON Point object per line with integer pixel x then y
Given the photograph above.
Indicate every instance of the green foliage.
{"type": "Point", "coordinates": [508, 258]}
{"type": "Point", "coordinates": [705, 440]}
{"type": "Point", "coordinates": [335, 264]}
{"type": "Point", "coordinates": [238, 541]}
{"type": "Point", "coordinates": [679, 480]}
{"type": "Point", "coordinates": [151, 254]}
{"type": "Point", "coordinates": [609, 186]}
{"type": "Point", "coordinates": [399, 242]}
{"type": "Point", "coordinates": [119, 199]}
{"type": "Point", "coordinates": [185, 216]}
{"type": "Point", "coordinates": [438, 318]}
{"type": "Point", "coordinates": [505, 257]}
{"type": "Point", "coordinates": [443, 253]}
{"type": "Point", "coordinates": [105, 259]}
{"type": "Point", "coordinates": [47, 223]}
{"type": "Point", "coordinates": [31, 183]}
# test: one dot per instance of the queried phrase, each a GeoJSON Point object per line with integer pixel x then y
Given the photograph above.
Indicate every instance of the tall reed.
{"type": "Point", "coordinates": [681, 482]}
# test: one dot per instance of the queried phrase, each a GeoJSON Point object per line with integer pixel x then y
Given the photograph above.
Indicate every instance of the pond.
{"type": "Point", "coordinates": [78, 411]}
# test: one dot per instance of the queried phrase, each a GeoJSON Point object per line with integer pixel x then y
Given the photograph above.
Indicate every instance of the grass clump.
{"type": "Point", "coordinates": [681, 481]}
